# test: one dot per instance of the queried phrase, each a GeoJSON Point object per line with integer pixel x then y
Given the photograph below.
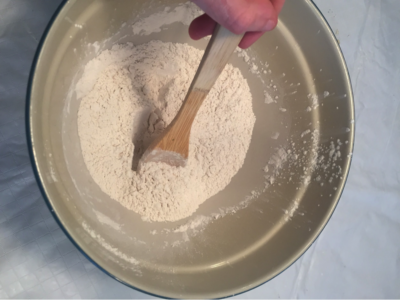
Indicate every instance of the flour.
{"type": "Point", "coordinates": [274, 166]}
{"type": "Point", "coordinates": [316, 162]}
{"type": "Point", "coordinates": [292, 209]}
{"type": "Point", "coordinates": [275, 136]}
{"type": "Point", "coordinates": [134, 262]}
{"type": "Point", "coordinates": [184, 13]}
{"type": "Point", "coordinates": [130, 94]}
{"type": "Point", "coordinates": [304, 133]}
{"type": "Point", "coordinates": [308, 163]}
{"type": "Point", "coordinates": [106, 220]}
{"type": "Point", "coordinates": [314, 102]}
{"type": "Point", "coordinates": [196, 225]}
{"type": "Point", "coordinates": [268, 99]}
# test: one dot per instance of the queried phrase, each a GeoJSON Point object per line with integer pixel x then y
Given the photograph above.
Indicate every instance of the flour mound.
{"type": "Point", "coordinates": [137, 92]}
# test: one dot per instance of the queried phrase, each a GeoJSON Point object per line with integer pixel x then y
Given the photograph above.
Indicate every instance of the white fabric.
{"type": "Point", "coordinates": [356, 256]}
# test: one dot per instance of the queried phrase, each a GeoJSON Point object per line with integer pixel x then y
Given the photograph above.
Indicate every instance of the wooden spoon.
{"type": "Point", "coordinates": [172, 146]}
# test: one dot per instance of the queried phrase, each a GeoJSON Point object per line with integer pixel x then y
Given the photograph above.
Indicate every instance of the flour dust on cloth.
{"type": "Point", "coordinates": [132, 94]}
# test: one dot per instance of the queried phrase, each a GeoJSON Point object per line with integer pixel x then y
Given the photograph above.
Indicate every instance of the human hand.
{"type": "Point", "coordinates": [253, 17]}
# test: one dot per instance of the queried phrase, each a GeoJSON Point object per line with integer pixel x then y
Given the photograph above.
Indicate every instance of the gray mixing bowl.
{"type": "Point", "coordinates": [266, 234]}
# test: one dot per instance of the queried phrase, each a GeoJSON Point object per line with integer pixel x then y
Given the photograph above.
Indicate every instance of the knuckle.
{"type": "Point", "coordinates": [270, 23]}
{"type": "Point", "coordinates": [239, 23]}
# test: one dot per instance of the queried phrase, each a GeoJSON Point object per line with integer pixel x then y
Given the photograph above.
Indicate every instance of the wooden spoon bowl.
{"type": "Point", "coordinates": [172, 146]}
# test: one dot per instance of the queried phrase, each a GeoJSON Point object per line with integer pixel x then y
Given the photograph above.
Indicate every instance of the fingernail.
{"type": "Point", "coordinates": [270, 25]}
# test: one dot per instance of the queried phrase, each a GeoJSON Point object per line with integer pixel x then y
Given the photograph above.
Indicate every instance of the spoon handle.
{"type": "Point", "coordinates": [217, 54]}
{"type": "Point", "coordinates": [173, 145]}
{"type": "Point", "coordinates": [219, 49]}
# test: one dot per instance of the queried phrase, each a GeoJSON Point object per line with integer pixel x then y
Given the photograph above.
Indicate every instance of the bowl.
{"type": "Point", "coordinates": [303, 133]}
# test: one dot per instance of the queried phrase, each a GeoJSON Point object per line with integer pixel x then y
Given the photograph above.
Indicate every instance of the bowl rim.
{"type": "Point", "coordinates": [29, 138]}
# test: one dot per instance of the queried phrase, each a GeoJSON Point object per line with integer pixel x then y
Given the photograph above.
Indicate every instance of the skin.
{"type": "Point", "coordinates": [253, 17]}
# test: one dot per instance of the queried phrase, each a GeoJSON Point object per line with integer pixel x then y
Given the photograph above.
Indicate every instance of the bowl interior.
{"type": "Point", "coordinates": [266, 233]}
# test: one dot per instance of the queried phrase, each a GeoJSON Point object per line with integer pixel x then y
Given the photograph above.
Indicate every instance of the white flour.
{"type": "Point", "coordinates": [134, 263]}
{"type": "Point", "coordinates": [132, 94]}
{"type": "Point", "coordinates": [184, 13]}
{"type": "Point", "coordinates": [150, 89]}
{"type": "Point", "coordinates": [106, 220]}
{"type": "Point", "coordinates": [313, 162]}
{"type": "Point", "coordinates": [310, 162]}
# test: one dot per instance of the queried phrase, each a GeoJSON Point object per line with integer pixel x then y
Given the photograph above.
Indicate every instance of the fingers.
{"type": "Point", "coordinates": [278, 5]}
{"type": "Point", "coordinates": [241, 16]}
{"type": "Point", "coordinates": [201, 27]}
{"type": "Point", "coordinates": [249, 39]}
{"type": "Point", "coordinates": [251, 16]}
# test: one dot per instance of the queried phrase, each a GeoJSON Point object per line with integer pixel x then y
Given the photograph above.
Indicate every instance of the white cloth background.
{"type": "Point", "coordinates": [356, 256]}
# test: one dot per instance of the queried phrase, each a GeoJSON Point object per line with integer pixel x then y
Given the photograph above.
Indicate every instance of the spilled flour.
{"type": "Point", "coordinates": [131, 94]}
{"type": "Point", "coordinates": [183, 13]}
